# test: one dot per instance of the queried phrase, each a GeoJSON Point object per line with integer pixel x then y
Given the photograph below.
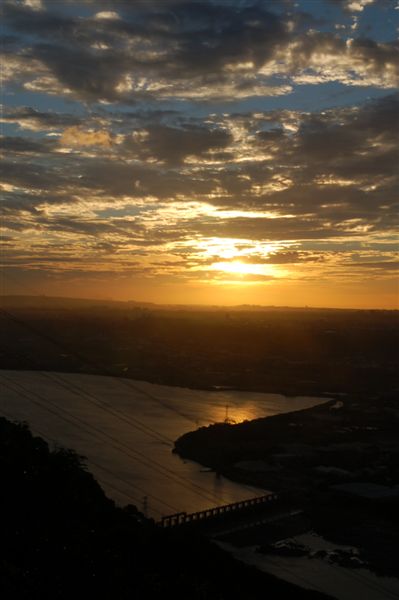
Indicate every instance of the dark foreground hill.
{"type": "Point", "coordinates": [62, 538]}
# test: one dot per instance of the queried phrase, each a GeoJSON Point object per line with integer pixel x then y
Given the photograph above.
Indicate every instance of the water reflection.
{"type": "Point", "coordinates": [126, 430]}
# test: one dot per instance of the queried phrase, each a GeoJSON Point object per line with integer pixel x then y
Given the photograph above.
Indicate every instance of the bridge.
{"type": "Point", "coordinates": [212, 514]}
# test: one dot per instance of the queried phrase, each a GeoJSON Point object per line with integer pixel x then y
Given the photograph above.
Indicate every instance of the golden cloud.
{"type": "Point", "coordinates": [75, 136]}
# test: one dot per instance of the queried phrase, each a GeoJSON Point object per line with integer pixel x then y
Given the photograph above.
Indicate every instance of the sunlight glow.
{"type": "Point", "coordinates": [236, 267]}
{"type": "Point", "coordinates": [236, 248]}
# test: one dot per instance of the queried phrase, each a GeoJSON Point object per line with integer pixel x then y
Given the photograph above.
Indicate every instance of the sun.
{"type": "Point", "coordinates": [238, 267]}
{"type": "Point", "coordinates": [244, 273]}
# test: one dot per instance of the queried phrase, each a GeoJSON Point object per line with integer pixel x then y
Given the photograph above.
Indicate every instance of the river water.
{"type": "Point", "coordinates": [126, 430]}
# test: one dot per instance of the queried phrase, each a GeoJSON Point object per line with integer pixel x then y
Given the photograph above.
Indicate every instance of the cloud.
{"type": "Point", "coordinates": [25, 146]}
{"type": "Point", "coordinates": [76, 136]}
{"type": "Point", "coordinates": [337, 171]}
{"type": "Point", "coordinates": [141, 170]}
{"type": "Point", "coordinates": [148, 172]}
{"type": "Point", "coordinates": [353, 6]}
{"type": "Point", "coordinates": [318, 57]}
{"type": "Point", "coordinates": [108, 15]}
{"type": "Point", "coordinates": [173, 144]}
{"type": "Point", "coordinates": [29, 118]}
{"type": "Point", "coordinates": [186, 50]}
{"type": "Point", "coordinates": [391, 265]}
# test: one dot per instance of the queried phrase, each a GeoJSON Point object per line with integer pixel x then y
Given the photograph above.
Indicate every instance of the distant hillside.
{"type": "Point", "coordinates": [55, 302]}
{"type": "Point", "coordinates": [59, 302]}
{"type": "Point", "coordinates": [296, 352]}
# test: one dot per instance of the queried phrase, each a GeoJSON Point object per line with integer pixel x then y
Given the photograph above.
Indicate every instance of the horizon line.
{"type": "Point", "coordinates": [197, 305]}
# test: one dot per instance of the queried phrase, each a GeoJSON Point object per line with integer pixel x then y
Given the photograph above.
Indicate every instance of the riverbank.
{"type": "Point", "coordinates": [62, 537]}
{"type": "Point", "coordinates": [339, 462]}
{"type": "Point", "coordinates": [126, 429]}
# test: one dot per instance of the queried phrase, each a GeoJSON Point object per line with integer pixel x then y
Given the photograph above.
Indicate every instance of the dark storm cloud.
{"type": "Point", "coordinates": [353, 142]}
{"type": "Point", "coordinates": [334, 133]}
{"type": "Point", "coordinates": [184, 47]}
{"type": "Point", "coordinates": [342, 164]}
{"type": "Point", "coordinates": [177, 40]}
{"type": "Point", "coordinates": [357, 58]}
{"type": "Point", "coordinates": [30, 118]}
{"type": "Point", "coordinates": [378, 56]}
{"type": "Point", "coordinates": [68, 174]}
{"type": "Point", "coordinates": [15, 203]}
{"type": "Point", "coordinates": [76, 225]}
{"type": "Point", "coordinates": [8, 42]}
{"type": "Point", "coordinates": [211, 35]}
{"type": "Point", "coordinates": [271, 137]}
{"type": "Point", "coordinates": [94, 76]}
{"type": "Point", "coordinates": [341, 155]}
{"type": "Point", "coordinates": [15, 224]}
{"type": "Point", "coordinates": [260, 228]}
{"type": "Point", "coordinates": [32, 175]}
{"type": "Point", "coordinates": [22, 145]}
{"type": "Point", "coordinates": [24, 19]}
{"type": "Point", "coordinates": [173, 144]}
{"type": "Point", "coordinates": [7, 240]}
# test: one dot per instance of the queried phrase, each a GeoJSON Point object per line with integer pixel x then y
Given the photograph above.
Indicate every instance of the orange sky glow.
{"type": "Point", "coordinates": [256, 164]}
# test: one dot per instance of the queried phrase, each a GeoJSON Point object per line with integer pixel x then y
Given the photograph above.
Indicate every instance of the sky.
{"type": "Point", "coordinates": [201, 152]}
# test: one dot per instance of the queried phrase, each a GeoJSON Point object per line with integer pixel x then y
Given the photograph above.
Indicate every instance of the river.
{"type": "Point", "coordinates": [126, 430]}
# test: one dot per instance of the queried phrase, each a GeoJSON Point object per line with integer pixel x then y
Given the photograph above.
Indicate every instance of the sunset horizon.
{"type": "Point", "coordinates": [8, 300]}
{"type": "Point", "coordinates": [199, 299]}
{"type": "Point", "coordinates": [201, 152]}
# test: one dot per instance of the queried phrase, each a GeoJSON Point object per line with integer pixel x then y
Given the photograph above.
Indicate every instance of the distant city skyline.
{"type": "Point", "coordinates": [201, 152]}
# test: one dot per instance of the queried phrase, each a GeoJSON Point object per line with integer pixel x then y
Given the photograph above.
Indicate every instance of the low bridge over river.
{"type": "Point", "coordinates": [244, 507]}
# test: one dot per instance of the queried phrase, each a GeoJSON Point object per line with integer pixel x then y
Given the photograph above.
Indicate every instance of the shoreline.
{"type": "Point", "coordinates": [306, 458]}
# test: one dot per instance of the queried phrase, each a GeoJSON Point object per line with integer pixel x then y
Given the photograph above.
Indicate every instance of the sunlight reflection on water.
{"type": "Point", "coordinates": [126, 430]}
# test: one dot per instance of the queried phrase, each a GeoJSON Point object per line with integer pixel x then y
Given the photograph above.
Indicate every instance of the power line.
{"type": "Point", "coordinates": [134, 422]}
{"type": "Point", "coordinates": [89, 362]}
{"type": "Point", "coordinates": [201, 491]}
{"type": "Point", "coordinates": [119, 445]}
{"type": "Point", "coordinates": [358, 576]}
{"type": "Point", "coordinates": [123, 381]}
{"type": "Point", "coordinates": [124, 448]}
{"type": "Point", "coordinates": [56, 443]}
{"type": "Point", "coordinates": [79, 391]}
{"type": "Point", "coordinates": [127, 382]}
{"type": "Point", "coordinates": [98, 366]}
